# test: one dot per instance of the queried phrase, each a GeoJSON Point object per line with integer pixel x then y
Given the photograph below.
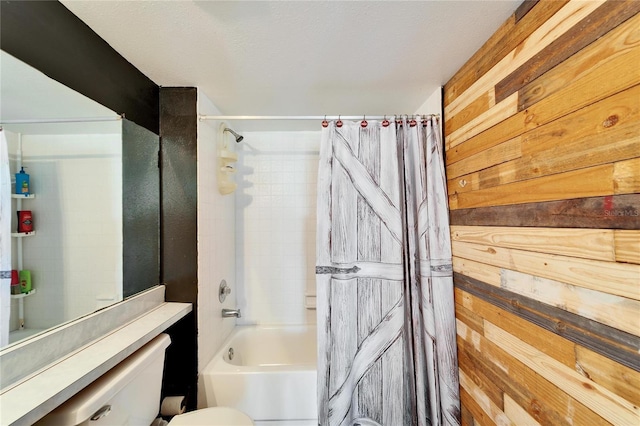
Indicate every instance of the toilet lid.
{"type": "Point", "coordinates": [214, 416]}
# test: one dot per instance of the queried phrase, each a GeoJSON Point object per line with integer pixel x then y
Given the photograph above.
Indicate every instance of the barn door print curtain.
{"type": "Point", "coordinates": [386, 324]}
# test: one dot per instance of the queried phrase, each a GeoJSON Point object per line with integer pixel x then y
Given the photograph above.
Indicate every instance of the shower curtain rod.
{"type": "Point", "coordinates": [62, 120]}
{"type": "Point", "coordinates": [310, 117]}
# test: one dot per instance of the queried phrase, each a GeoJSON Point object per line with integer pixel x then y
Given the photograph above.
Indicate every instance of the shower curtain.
{"type": "Point", "coordinates": [386, 323]}
{"type": "Point", "coordinates": [5, 241]}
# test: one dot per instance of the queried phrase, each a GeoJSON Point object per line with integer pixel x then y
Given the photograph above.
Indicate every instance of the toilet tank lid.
{"type": "Point", "coordinates": [85, 403]}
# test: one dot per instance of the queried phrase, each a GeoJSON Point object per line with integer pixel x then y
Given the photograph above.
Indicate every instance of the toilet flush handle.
{"type": "Point", "coordinates": [103, 412]}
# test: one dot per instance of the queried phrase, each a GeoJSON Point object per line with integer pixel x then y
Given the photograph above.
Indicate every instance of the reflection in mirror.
{"type": "Point", "coordinates": [75, 253]}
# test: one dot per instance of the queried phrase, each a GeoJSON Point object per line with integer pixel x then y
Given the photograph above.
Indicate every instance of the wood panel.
{"type": "Point", "coordinates": [492, 116]}
{"type": "Point", "coordinates": [615, 311]}
{"type": "Point", "coordinates": [617, 378]}
{"type": "Point", "coordinates": [601, 133]}
{"type": "Point", "coordinates": [597, 244]}
{"type": "Point", "coordinates": [608, 16]}
{"type": "Point", "coordinates": [466, 417]}
{"type": "Point", "coordinates": [617, 42]}
{"type": "Point", "coordinates": [627, 246]}
{"type": "Point", "coordinates": [551, 344]}
{"type": "Point", "coordinates": [471, 111]}
{"type": "Point", "coordinates": [504, 40]}
{"type": "Point", "coordinates": [493, 412]}
{"type": "Point", "coordinates": [544, 201]}
{"type": "Point", "coordinates": [594, 85]}
{"type": "Point", "coordinates": [607, 404]}
{"type": "Point", "coordinates": [480, 418]}
{"type": "Point", "coordinates": [590, 182]}
{"type": "Point", "coordinates": [544, 401]}
{"type": "Point", "coordinates": [517, 414]}
{"type": "Point", "coordinates": [626, 176]}
{"type": "Point", "coordinates": [480, 271]}
{"type": "Point", "coordinates": [474, 321]}
{"type": "Point", "coordinates": [565, 18]}
{"type": "Point", "coordinates": [615, 344]}
{"type": "Point", "coordinates": [499, 154]}
{"type": "Point", "coordinates": [612, 212]}
{"type": "Point", "coordinates": [608, 277]}
{"type": "Point", "coordinates": [481, 381]}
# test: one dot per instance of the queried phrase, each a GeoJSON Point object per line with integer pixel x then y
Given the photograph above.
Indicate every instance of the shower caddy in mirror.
{"type": "Point", "coordinates": [23, 191]}
{"type": "Point", "coordinates": [31, 290]}
{"type": "Point", "coordinates": [226, 160]}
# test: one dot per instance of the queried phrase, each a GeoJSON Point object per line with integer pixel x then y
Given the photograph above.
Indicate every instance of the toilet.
{"type": "Point", "coordinates": [129, 394]}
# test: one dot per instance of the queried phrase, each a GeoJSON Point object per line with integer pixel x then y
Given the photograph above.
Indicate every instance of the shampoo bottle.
{"type": "Point", "coordinates": [25, 281]}
{"type": "Point", "coordinates": [22, 182]}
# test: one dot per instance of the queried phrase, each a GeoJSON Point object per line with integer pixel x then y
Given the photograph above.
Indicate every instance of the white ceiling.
{"type": "Point", "coordinates": [299, 57]}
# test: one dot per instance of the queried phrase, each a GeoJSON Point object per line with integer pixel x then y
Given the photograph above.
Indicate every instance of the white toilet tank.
{"type": "Point", "coordinates": [129, 393]}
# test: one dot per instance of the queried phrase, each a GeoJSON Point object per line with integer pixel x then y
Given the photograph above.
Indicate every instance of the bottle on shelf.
{"type": "Point", "coordinates": [25, 281]}
{"type": "Point", "coordinates": [22, 182]}
{"type": "Point", "coordinates": [15, 282]}
{"type": "Point", "coordinates": [25, 221]}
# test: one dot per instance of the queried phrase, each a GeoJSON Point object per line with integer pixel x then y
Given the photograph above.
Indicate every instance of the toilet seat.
{"type": "Point", "coordinates": [213, 416]}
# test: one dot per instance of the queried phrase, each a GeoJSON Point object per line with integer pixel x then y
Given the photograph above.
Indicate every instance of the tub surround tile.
{"type": "Point", "coordinates": [31, 399]}
{"type": "Point", "coordinates": [20, 361]}
{"type": "Point", "coordinates": [216, 241]}
{"type": "Point", "coordinates": [275, 229]}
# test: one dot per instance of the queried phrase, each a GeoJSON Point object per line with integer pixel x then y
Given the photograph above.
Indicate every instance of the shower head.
{"type": "Point", "coordinates": [238, 137]}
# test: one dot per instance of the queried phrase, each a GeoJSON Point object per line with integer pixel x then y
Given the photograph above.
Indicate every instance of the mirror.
{"type": "Point", "coordinates": [95, 203]}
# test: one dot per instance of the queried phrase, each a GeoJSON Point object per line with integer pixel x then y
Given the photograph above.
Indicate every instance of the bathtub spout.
{"type": "Point", "coordinates": [228, 313]}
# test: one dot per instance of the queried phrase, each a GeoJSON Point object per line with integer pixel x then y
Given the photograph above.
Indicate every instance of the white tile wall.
{"type": "Point", "coordinates": [216, 245]}
{"type": "Point", "coordinates": [275, 228]}
{"type": "Point", "coordinates": [76, 253]}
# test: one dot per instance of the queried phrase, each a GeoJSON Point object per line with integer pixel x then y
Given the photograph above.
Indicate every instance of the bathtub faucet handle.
{"type": "Point", "coordinates": [223, 291]}
{"type": "Point", "coordinates": [229, 313]}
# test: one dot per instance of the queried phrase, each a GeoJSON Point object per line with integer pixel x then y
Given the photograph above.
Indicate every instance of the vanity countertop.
{"type": "Point", "coordinates": [31, 399]}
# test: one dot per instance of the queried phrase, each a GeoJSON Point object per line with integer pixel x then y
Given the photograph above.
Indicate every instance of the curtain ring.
{"type": "Point", "coordinates": [412, 122]}
{"type": "Point", "coordinates": [325, 123]}
{"type": "Point", "coordinates": [339, 122]}
{"type": "Point", "coordinates": [364, 123]}
{"type": "Point", "coordinates": [398, 120]}
{"type": "Point", "coordinates": [385, 122]}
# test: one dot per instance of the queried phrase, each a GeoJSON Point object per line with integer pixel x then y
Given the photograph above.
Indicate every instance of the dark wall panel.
{"type": "Point", "coordinates": [140, 208]}
{"type": "Point", "coordinates": [179, 253]}
{"type": "Point", "coordinates": [47, 36]}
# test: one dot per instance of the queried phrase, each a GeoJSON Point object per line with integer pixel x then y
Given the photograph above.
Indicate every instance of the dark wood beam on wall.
{"type": "Point", "coordinates": [47, 36]}
{"type": "Point", "coordinates": [610, 212]}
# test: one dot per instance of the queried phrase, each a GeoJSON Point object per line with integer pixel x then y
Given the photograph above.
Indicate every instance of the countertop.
{"type": "Point", "coordinates": [31, 399]}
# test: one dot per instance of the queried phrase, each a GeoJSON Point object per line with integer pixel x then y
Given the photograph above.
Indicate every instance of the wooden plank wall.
{"type": "Point", "coordinates": [542, 135]}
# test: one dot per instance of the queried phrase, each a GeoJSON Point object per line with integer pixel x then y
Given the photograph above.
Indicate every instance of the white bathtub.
{"type": "Point", "coordinates": [272, 376]}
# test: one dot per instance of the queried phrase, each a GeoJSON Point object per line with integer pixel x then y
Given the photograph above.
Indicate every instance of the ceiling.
{"type": "Point", "coordinates": [299, 57]}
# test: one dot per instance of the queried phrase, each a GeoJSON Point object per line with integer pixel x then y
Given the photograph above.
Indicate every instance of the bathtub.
{"type": "Point", "coordinates": [267, 372]}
